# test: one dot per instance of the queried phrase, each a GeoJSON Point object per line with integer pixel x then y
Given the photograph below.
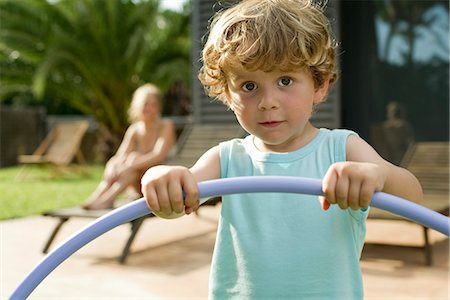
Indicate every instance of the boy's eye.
{"type": "Point", "coordinates": [249, 86]}
{"type": "Point", "coordinates": [285, 81]}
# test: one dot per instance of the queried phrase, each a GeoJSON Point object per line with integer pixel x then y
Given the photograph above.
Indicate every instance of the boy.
{"type": "Point", "coordinates": [271, 62]}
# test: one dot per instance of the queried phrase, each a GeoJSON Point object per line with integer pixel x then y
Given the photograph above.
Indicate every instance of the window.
{"type": "Point", "coordinates": [396, 51]}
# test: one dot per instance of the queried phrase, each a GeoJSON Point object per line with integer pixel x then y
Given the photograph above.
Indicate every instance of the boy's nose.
{"type": "Point", "coordinates": [268, 101]}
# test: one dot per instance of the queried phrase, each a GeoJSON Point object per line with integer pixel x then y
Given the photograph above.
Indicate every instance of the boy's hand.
{"type": "Point", "coordinates": [163, 186]}
{"type": "Point", "coordinates": [352, 184]}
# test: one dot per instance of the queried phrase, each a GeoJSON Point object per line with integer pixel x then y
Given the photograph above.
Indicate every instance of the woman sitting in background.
{"type": "Point", "coordinates": [146, 143]}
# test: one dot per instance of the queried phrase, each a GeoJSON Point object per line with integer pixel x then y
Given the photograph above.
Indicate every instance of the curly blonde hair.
{"type": "Point", "coordinates": [266, 35]}
{"type": "Point", "coordinates": [139, 98]}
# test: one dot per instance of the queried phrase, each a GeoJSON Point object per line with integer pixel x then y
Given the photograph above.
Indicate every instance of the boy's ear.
{"type": "Point", "coordinates": [322, 92]}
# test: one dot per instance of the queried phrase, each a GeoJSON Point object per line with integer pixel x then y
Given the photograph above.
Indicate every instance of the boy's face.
{"type": "Point", "coordinates": [274, 106]}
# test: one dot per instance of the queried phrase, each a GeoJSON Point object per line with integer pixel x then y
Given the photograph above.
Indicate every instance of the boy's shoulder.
{"type": "Point", "coordinates": [240, 140]}
{"type": "Point", "coordinates": [337, 132]}
{"type": "Point", "coordinates": [242, 143]}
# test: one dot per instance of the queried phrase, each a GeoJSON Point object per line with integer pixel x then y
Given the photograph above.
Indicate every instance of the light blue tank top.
{"type": "Point", "coordinates": [284, 246]}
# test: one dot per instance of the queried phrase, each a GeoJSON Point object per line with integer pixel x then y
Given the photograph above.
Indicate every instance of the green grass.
{"type": "Point", "coordinates": [37, 192]}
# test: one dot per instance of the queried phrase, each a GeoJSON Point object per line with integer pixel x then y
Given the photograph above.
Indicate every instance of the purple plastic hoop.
{"type": "Point", "coordinates": [207, 189]}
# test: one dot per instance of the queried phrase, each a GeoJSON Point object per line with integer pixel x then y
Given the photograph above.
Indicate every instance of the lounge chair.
{"type": "Point", "coordinates": [59, 148]}
{"type": "Point", "coordinates": [429, 162]}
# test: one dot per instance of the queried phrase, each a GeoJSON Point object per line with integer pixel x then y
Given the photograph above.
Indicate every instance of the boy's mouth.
{"type": "Point", "coordinates": [270, 124]}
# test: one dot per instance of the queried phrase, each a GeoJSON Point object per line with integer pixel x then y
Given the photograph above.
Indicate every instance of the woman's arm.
{"type": "Point", "coordinates": [128, 143]}
{"type": "Point", "coordinates": [160, 151]}
{"type": "Point", "coordinates": [115, 165]}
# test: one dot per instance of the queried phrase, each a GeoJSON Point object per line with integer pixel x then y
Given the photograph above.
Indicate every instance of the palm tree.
{"type": "Point", "coordinates": [90, 54]}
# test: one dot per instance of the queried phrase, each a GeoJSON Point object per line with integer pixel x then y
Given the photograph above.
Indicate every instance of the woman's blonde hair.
{"type": "Point", "coordinates": [140, 97]}
{"type": "Point", "coordinates": [267, 35]}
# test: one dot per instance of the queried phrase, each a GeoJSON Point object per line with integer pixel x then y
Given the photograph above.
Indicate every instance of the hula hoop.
{"type": "Point", "coordinates": [212, 188]}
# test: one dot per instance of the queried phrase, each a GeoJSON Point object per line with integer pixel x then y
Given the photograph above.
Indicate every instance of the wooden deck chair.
{"type": "Point", "coordinates": [197, 139]}
{"type": "Point", "coordinates": [192, 143]}
{"type": "Point", "coordinates": [59, 148]}
{"type": "Point", "coordinates": [429, 162]}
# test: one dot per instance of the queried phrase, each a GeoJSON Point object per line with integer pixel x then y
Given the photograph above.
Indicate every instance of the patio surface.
{"type": "Point", "coordinates": [171, 260]}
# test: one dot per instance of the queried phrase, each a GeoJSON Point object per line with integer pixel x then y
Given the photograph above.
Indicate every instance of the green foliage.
{"type": "Point", "coordinates": [90, 54]}
{"type": "Point", "coordinates": [37, 193]}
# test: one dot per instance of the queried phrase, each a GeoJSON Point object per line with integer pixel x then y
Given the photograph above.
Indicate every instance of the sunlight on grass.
{"type": "Point", "coordinates": [37, 193]}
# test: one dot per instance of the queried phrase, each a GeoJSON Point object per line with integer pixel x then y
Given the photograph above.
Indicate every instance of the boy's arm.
{"type": "Point", "coordinates": [353, 182]}
{"type": "Point", "coordinates": [163, 186]}
{"type": "Point", "coordinates": [399, 181]}
{"type": "Point", "coordinates": [207, 166]}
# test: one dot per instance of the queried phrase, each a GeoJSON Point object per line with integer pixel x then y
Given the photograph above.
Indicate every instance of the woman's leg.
{"type": "Point", "coordinates": [92, 200]}
{"type": "Point", "coordinates": [108, 196]}
{"type": "Point", "coordinates": [135, 186]}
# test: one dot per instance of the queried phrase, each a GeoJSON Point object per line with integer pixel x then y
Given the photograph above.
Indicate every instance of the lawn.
{"type": "Point", "coordinates": [37, 192]}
